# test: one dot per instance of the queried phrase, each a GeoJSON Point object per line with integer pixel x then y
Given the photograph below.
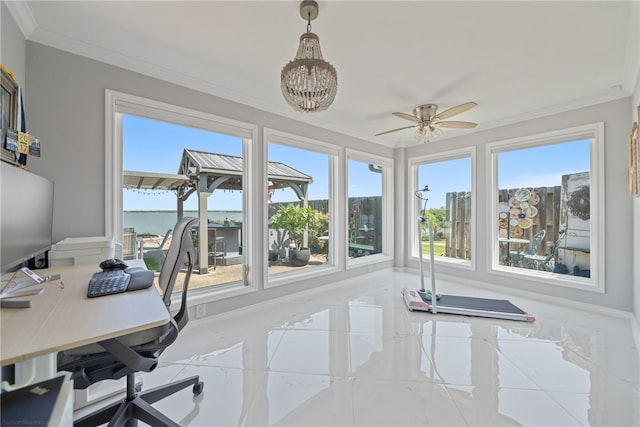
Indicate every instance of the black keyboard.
{"type": "Point", "coordinates": [108, 282]}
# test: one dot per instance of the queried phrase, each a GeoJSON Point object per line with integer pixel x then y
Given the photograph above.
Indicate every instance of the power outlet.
{"type": "Point", "coordinates": [201, 310]}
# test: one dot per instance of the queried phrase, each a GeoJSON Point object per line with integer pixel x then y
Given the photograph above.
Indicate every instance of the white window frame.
{"type": "Point", "coordinates": [336, 175]}
{"type": "Point", "coordinates": [118, 104]}
{"type": "Point", "coordinates": [416, 205]}
{"type": "Point", "coordinates": [593, 132]}
{"type": "Point", "coordinates": [387, 208]}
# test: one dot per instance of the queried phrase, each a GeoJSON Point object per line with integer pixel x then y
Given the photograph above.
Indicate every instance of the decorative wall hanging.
{"type": "Point", "coordinates": [579, 204]}
{"type": "Point", "coordinates": [15, 143]}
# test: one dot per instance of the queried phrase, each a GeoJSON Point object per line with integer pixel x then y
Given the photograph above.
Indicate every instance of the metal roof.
{"type": "Point", "coordinates": [152, 180]}
{"type": "Point", "coordinates": [211, 167]}
{"type": "Point", "coordinates": [215, 165]}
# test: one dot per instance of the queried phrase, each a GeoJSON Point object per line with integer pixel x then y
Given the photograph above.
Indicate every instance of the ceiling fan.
{"type": "Point", "coordinates": [428, 121]}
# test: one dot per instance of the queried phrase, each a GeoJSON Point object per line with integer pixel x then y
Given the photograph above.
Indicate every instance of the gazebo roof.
{"type": "Point", "coordinates": [225, 171]}
{"type": "Point", "coordinates": [152, 180]}
{"type": "Point", "coordinates": [211, 166]}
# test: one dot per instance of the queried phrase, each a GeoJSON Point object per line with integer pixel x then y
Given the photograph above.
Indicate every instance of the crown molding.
{"type": "Point", "coordinates": [21, 13]}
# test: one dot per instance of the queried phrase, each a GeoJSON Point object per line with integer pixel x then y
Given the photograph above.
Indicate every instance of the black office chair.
{"type": "Point", "coordinates": [139, 351]}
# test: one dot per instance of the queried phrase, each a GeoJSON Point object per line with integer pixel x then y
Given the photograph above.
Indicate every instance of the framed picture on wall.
{"type": "Point", "coordinates": [8, 111]}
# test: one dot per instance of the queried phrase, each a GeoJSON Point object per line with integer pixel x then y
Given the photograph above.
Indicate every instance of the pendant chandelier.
{"type": "Point", "coordinates": [309, 83]}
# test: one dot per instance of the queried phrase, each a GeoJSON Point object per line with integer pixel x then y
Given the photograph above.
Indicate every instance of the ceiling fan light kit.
{"type": "Point", "coordinates": [308, 82]}
{"type": "Point", "coordinates": [428, 121]}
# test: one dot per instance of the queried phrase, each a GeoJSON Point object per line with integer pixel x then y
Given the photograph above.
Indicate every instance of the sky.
{"type": "Point", "coordinates": [154, 146]}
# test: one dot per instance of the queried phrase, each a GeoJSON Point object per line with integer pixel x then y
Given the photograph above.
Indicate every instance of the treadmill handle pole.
{"type": "Point", "coordinates": [434, 298]}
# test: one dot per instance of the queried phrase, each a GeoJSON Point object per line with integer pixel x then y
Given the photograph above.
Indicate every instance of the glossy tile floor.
{"type": "Point", "coordinates": [353, 355]}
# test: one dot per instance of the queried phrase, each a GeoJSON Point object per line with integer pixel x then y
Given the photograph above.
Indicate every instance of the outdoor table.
{"type": "Point", "coordinates": [508, 241]}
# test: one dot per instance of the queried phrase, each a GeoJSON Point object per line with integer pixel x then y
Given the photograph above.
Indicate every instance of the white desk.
{"type": "Point", "coordinates": [60, 319]}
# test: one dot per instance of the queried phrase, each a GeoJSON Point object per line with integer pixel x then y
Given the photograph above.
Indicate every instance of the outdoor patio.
{"type": "Point", "coordinates": [222, 274]}
{"type": "Point", "coordinates": [233, 273]}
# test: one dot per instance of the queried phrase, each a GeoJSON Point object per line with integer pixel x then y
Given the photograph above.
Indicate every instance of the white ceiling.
{"type": "Point", "coordinates": [515, 59]}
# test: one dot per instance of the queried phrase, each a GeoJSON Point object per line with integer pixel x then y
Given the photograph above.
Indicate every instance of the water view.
{"type": "Point", "coordinates": [158, 222]}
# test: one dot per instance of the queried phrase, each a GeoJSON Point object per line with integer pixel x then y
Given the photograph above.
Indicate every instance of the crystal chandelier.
{"type": "Point", "coordinates": [309, 83]}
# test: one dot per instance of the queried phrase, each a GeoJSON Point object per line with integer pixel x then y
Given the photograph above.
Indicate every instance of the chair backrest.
{"type": "Point", "coordinates": [535, 243]}
{"type": "Point", "coordinates": [181, 246]}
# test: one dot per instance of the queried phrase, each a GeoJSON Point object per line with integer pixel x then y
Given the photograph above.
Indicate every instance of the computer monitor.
{"type": "Point", "coordinates": [26, 216]}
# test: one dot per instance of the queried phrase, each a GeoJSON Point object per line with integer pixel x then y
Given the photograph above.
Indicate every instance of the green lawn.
{"type": "Point", "coordinates": [438, 247]}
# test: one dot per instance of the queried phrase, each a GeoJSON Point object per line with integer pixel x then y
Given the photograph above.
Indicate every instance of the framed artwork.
{"type": "Point", "coordinates": [8, 111]}
{"type": "Point", "coordinates": [9, 100]}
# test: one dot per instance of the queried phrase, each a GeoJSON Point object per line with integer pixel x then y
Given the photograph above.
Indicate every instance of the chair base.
{"type": "Point", "coordinates": [137, 406]}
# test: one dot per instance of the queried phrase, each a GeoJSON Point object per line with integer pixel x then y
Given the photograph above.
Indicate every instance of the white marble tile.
{"type": "Point", "coordinates": [378, 320]}
{"type": "Point", "coordinates": [613, 407]}
{"type": "Point", "coordinates": [331, 318]}
{"type": "Point", "coordinates": [287, 399]}
{"type": "Point", "coordinates": [312, 352]}
{"type": "Point", "coordinates": [400, 357]}
{"type": "Point", "coordinates": [224, 401]}
{"type": "Point", "coordinates": [473, 361]}
{"type": "Point", "coordinates": [550, 366]}
{"type": "Point", "coordinates": [489, 406]}
{"type": "Point", "coordinates": [403, 403]}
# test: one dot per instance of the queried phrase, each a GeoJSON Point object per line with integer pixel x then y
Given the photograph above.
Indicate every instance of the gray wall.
{"type": "Point", "coordinates": [12, 45]}
{"type": "Point", "coordinates": [618, 210]}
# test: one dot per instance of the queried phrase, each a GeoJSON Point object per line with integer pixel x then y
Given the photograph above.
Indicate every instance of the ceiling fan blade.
{"type": "Point", "coordinates": [455, 110]}
{"type": "Point", "coordinates": [456, 125]}
{"type": "Point", "coordinates": [394, 130]}
{"type": "Point", "coordinates": [408, 117]}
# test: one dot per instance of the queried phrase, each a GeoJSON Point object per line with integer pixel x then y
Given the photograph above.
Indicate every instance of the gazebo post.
{"type": "Point", "coordinates": [203, 232]}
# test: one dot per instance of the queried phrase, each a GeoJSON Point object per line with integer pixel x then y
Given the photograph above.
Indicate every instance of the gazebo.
{"type": "Point", "coordinates": [202, 173]}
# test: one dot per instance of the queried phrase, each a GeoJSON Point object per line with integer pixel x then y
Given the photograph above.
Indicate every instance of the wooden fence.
{"type": "Point", "coordinates": [458, 214]}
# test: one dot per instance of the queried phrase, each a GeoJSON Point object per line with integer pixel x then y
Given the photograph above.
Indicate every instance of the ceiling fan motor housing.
{"type": "Point", "coordinates": [425, 112]}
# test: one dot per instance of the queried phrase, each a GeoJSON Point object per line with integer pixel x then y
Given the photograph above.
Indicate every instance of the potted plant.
{"type": "Point", "coordinates": [295, 220]}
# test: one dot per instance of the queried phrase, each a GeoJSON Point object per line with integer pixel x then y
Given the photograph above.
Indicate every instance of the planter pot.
{"type": "Point", "coordinates": [273, 255]}
{"type": "Point", "coordinates": [299, 257]}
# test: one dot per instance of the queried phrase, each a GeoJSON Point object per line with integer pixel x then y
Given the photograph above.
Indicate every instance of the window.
{"type": "Point", "coordinates": [448, 202]}
{"type": "Point", "coordinates": [368, 213]}
{"type": "Point", "coordinates": [546, 216]}
{"type": "Point", "coordinates": [299, 205]}
{"type": "Point", "coordinates": [171, 162]}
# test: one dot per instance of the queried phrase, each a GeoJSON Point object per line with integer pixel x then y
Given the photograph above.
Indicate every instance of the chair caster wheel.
{"type": "Point", "coordinates": [198, 387]}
